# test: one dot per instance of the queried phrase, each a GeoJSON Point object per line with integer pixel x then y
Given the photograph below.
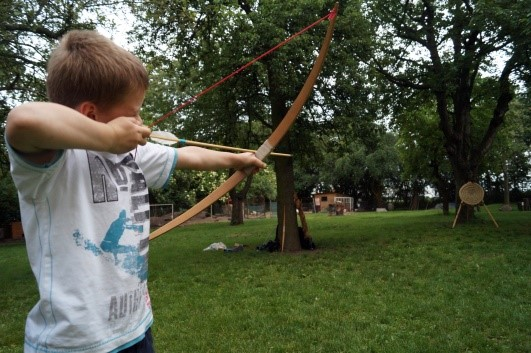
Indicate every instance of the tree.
{"type": "Point", "coordinates": [442, 47]}
{"type": "Point", "coordinates": [261, 186]}
{"type": "Point", "coordinates": [205, 41]}
{"type": "Point", "coordinates": [362, 169]}
{"type": "Point", "coordinates": [28, 31]}
{"type": "Point", "coordinates": [508, 163]}
{"type": "Point", "coordinates": [421, 151]}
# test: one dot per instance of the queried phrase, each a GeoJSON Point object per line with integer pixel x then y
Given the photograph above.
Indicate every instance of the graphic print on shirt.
{"type": "Point", "coordinates": [120, 244]}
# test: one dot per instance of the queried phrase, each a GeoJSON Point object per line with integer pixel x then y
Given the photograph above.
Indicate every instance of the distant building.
{"type": "Point", "coordinates": [323, 201]}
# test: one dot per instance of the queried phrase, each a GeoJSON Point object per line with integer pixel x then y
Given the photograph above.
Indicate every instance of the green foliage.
{"type": "Point", "coordinates": [28, 31]}
{"type": "Point", "coordinates": [383, 162]}
{"type": "Point", "coordinates": [9, 207]}
{"type": "Point", "coordinates": [206, 41]}
{"type": "Point", "coordinates": [185, 188]}
{"type": "Point", "coordinates": [420, 143]}
{"type": "Point", "coordinates": [446, 49]}
{"type": "Point", "coordinates": [264, 185]}
{"type": "Point", "coordinates": [511, 145]}
{"type": "Point", "coordinates": [362, 168]}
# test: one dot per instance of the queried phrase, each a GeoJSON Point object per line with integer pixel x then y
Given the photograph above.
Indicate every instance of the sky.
{"type": "Point", "coordinates": [123, 23]}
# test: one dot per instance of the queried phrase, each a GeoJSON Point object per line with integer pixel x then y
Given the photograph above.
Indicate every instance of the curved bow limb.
{"type": "Point", "coordinates": [269, 144]}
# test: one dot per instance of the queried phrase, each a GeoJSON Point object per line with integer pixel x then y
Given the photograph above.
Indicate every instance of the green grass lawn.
{"type": "Point", "coordinates": [378, 282]}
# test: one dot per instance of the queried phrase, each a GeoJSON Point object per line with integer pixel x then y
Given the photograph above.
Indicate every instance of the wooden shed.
{"type": "Point", "coordinates": [322, 201]}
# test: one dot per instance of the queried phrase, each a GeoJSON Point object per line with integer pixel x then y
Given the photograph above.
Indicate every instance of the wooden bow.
{"type": "Point", "coordinates": [269, 144]}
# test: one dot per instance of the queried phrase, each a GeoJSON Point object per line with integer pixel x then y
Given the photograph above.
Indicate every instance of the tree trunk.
{"type": "Point", "coordinates": [236, 216]}
{"type": "Point", "coordinates": [377, 190]}
{"type": "Point", "coordinates": [444, 192]}
{"type": "Point", "coordinates": [506, 195]}
{"type": "Point", "coordinates": [414, 206]}
{"type": "Point", "coordinates": [286, 214]}
{"type": "Point", "coordinates": [458, 145]}
{"type": "Point", "coordinates": [417, 188]}
{"type": "Point", "coordinates": [238, 199]}
{"type": "Point", "coordinates": [446, 204]}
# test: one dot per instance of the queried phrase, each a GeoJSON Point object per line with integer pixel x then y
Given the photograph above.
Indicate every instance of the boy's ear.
{"type": "Point", "coordinates": [88, 109]}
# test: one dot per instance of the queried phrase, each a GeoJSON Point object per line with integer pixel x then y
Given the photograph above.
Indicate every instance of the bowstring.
{"type": "Point", "coordinates": [330, 15]}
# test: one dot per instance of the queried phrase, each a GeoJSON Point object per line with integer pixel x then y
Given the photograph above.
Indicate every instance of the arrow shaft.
{"type": "Point", "coordinates": [221, 147]}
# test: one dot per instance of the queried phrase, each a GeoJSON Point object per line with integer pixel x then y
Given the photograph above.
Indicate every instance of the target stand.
{"type": "Point", "coordinates": [472, 194]}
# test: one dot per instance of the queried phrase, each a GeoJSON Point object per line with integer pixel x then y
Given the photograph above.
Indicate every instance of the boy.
{"type": "Point", "coordinates": [82, 167]}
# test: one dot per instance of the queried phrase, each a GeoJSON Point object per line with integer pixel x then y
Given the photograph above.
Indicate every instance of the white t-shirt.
{"type": "Point", "coordinates": [86, 223]}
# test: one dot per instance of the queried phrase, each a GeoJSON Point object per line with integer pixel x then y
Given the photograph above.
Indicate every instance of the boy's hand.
{"type": "Point", "coordinates": [248, 159]}
{"type": "Point", "coordinates": [127, 134]}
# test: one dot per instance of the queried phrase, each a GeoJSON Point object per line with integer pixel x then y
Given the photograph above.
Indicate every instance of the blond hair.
{"type": "Point", "coordinates": [87, 66]}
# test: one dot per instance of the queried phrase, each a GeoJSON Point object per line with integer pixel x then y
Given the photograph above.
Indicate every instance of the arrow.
{"type": "Point", "coordinates": [167, 138]}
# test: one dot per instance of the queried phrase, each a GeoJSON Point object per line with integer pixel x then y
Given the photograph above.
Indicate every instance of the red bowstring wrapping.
{"type": "Point", "coordinates": [330, 16]}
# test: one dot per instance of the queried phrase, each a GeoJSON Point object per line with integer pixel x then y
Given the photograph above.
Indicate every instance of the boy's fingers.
{"type": "Point", "coordinates": [260, 164]}
{"type": "Point", "coordinates": [144, 133]}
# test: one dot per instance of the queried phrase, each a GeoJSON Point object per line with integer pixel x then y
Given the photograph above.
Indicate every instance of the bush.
{"type": "Point", "coordinates": [9, 207]}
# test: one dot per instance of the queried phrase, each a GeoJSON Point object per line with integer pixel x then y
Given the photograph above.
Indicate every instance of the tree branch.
{"type": "Point", "coordinates": [244, 5]}
{"type": "Point", "coordinates": [502, 106]}
{"type": "Point", "coordinates": [40, 30]}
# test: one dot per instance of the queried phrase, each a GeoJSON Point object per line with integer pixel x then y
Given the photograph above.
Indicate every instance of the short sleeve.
{"type": "Point", "coordinates": [157, 163]}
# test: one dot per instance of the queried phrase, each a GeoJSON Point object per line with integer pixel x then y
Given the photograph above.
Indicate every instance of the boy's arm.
{"type": "Point", "coordinates": [197, 158]}
{"type": "Point", "coordinates": [37, 130]}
